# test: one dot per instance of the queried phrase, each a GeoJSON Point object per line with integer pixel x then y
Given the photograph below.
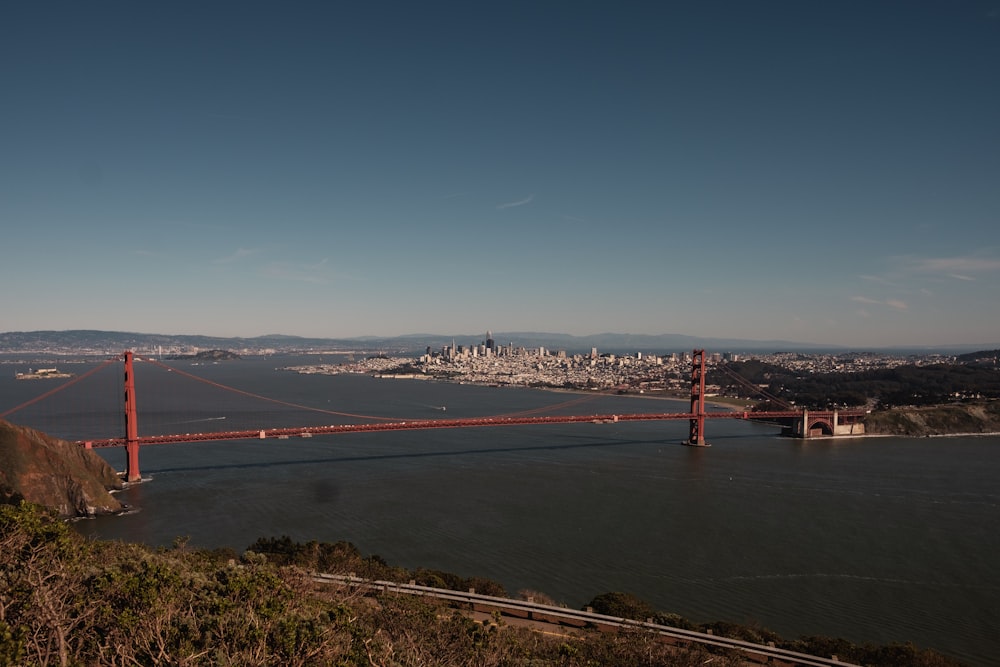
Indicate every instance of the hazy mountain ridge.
{"type": "Point", "coordinates": [79, 340]}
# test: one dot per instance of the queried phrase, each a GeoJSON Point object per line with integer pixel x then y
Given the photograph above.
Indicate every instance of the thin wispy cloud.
{"type": "Point", "coordinates": [880, 280]}
{"type": "Point", "coordinates": [241, 253]}
{"type": "Point", "coordinates": [898, 304]}
{"type": "Point", "coordinates": [904, 270]}
{"type": "Point", "coordinates": [519, 202]}
{"type": "Point", "coordinates": [961, 265]}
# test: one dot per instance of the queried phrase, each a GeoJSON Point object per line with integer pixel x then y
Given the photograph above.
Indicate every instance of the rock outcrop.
{"type": "Point", "coordinates": [57, 474]}
{"type": "Point", "coordinates": [954, 419]}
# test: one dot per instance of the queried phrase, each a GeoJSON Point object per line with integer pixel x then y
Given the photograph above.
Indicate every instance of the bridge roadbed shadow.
{"type": "Point", "coordinates": [417, 455]}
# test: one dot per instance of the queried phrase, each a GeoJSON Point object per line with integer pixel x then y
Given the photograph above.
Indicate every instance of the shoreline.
{"type": "Point", "coordinates": [729, 404]}
{"type": "Point", "coordinates": [565, 390]}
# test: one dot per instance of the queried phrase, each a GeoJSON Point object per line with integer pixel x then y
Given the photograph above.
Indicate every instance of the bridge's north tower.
{"type": "Point", "coordinates": [696, 433]}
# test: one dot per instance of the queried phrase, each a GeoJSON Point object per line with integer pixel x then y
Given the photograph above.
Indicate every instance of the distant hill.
{"type": "Point", "coordinates": [54, 473]}
{"type": "Point", "coordinates": [983, 357]}
{"type": "Point", "coordinates": [113, 342]}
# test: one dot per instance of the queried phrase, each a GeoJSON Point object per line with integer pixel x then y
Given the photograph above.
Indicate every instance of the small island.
{"type": "Point", "coordinates": [43, 374]}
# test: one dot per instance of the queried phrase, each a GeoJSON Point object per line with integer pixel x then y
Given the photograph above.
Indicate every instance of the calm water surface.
{"type": "Point", "coordinates": [879, 539]}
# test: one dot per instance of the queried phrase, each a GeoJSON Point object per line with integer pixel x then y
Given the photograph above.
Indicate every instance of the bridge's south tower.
{"type": "Point", "coordinates": [131, 424]}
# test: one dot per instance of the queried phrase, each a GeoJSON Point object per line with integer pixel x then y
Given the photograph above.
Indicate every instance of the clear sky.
{"type": "Point", "coordinates": [824, 172]}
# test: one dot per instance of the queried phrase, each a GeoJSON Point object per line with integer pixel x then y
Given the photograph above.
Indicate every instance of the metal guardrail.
{"type": "Point", "coordinates": [571, 617]}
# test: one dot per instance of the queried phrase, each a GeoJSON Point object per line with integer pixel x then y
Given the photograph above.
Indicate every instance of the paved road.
{"type": "Point", "coordinates": [555, 620]}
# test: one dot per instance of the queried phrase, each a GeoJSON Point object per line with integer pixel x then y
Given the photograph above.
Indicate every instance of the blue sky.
{"type": "Point", "coordinates": [824, 172]}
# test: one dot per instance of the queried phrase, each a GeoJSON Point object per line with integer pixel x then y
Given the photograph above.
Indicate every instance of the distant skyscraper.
{"type": "Point", "coordinates": [490, 344]}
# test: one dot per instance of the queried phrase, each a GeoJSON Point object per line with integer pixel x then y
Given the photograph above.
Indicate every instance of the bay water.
{"type": "Point", "coordinates": [872, 539]}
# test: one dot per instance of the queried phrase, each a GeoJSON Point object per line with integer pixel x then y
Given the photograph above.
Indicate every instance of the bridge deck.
{"type": "Point", "coordinates": [307, 431]}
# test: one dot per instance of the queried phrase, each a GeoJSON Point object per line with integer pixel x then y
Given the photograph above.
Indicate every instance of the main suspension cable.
{"type": "Point", "coordinates": [66, 385]}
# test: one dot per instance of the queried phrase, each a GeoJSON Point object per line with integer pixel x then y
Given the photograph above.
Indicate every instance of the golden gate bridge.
{"type": "Point", "coordinates": [804, 423]}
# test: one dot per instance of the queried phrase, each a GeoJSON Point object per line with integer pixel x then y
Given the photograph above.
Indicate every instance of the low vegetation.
{"type": "Point", "coordinates": [629, 606]}
{"type": "Point", "coordinates": [885, 388]}
{"type": "Point", "coordinates": [65, 600]}
{"type": "Point", "coordinates": [963, 417]}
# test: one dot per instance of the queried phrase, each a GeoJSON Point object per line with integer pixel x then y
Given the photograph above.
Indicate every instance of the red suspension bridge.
{"type": "Point", "coordinates": [802, 423]}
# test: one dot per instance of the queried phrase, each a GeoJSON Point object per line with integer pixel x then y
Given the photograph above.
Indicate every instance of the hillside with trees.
{"type": "Point", "coordinates": [65, 600]}
{"type": "Point", "coordinates": [909, 385]}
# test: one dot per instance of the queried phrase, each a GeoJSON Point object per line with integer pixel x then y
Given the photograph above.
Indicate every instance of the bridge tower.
{"type": "Point", "coordinates": [696, 432]}
{"type": "Point", "coordinates": [131, 424]}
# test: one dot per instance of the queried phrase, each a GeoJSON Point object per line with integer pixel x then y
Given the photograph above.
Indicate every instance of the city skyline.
{"type": "Point", "coordinates": [825, 174]}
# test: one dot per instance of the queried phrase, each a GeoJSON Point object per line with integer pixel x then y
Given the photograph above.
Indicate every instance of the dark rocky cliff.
{"type": "Point", "coordinates": [60, 475]}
